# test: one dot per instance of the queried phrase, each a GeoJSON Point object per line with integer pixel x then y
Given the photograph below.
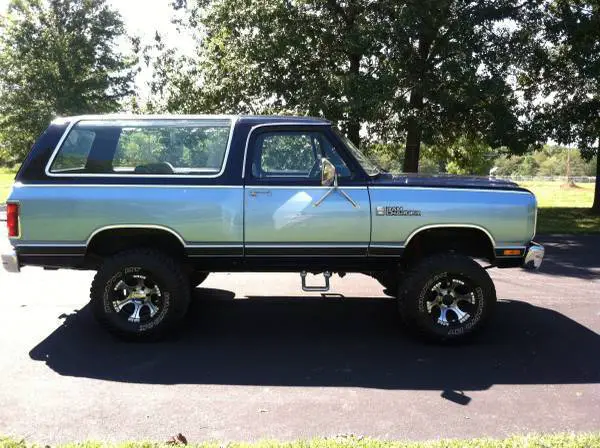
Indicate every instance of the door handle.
{"type": "Point", "coordinates": [255, 193]}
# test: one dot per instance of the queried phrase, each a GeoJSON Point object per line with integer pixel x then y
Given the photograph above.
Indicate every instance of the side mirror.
{"type": "Point", "coordinates": [328, 173]}
{"type": "Point", "coordinates": [329, 179]}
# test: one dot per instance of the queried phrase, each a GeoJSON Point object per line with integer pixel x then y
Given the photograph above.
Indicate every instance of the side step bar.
{"type": "Point", "coordinates": [323, 288]}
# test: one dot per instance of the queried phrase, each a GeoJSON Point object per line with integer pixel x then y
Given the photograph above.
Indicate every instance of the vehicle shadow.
{"type": "Point", "coordinates": [353, 342]}
{"type": "Point", "coordinates": [571, 256]}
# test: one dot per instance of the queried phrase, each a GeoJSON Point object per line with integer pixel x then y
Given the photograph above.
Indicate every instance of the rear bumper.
{"type": "Point", "coordinates": [10, 261]}
{"type": "Point", "coordinates": [534, 256]}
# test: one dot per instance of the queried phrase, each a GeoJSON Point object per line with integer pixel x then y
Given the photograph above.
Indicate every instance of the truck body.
{"type": "Point", "coordinates": [249, 193]}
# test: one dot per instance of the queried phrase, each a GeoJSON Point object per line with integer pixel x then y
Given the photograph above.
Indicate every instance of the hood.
{"type": "Point", "coordinates": [444, 181]}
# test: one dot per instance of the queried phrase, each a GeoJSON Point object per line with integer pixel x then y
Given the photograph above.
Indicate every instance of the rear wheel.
{"type": "Point", "coordinates": [140, 294]}
{"type": "Point", "coordinates": [447, 297]}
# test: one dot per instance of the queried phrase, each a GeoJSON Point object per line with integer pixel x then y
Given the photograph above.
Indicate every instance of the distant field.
{"type": "Point", "coordinates": [562, 210]}
{"type": "Point", "coordinates": [554, 194]}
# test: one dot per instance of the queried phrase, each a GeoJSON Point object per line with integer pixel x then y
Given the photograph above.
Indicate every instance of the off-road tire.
{"type": "Point", "coordinates": [157, 269]}
{"type": "Point", "coordinates": [197, 278]}
{"type": "Point", "coordinates": [415, 297]}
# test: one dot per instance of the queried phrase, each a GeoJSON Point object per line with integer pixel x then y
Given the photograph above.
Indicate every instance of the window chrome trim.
{"type": "Point", "coordinates": [450, 226]}
{"type": "Point", "coordinates": [233, 121]}
{"type": "Point", "coordinates": [280, 124]}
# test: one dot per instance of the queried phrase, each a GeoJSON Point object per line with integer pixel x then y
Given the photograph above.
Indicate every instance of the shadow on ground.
{"type": "Point", "coordinates": [328, 342]}
{"type": "Point", "coordinates": [571, 256]}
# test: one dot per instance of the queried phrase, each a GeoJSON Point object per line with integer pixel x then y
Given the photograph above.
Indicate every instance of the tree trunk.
{"type": "Point", "coordinates": [354, 132]}
{"type": "Point", "coordinates": [414, 130]}
{"type": "Point", "coordinates": [413, 134]}
{"type": "Point", "coordinates": [353, 121]}
{"type": "Point", "coordinates": [596, 205]}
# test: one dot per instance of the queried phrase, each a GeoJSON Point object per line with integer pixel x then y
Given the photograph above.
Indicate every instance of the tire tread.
{"type": "Point", "coordinates": [163, 262]}
{"type": "Point", "coordinates": [414, 276]}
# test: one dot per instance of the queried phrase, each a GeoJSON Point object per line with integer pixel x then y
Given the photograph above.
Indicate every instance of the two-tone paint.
{"type": "Point", "coordinates": [233, 216]}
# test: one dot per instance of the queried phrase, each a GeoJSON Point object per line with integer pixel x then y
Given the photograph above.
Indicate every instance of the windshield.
{"type": "Point", "coordinates": [366, 164]}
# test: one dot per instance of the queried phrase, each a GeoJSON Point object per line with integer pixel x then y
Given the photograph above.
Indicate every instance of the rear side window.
{"type": "Point", "coordinates": [144, 147]}
{"type": "Point", "coordinates": [75, 151]}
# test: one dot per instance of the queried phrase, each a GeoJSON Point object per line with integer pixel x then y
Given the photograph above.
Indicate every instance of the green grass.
{"type": "Point", "coordinates": [6, 181]}
{"type": "Point", "coordinates": [563, 209]}
{"type": "Point", "coordinates": [554, 194]}
{"type": "Point", "coordinates": [530, 441]}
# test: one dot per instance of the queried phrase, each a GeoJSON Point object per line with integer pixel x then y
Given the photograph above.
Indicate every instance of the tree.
{"type": "Point", "coordinates": [454, 59]}
{"type": "Point", "coordinates": [411, 70]}
{"type": "Point", "coordinates": [305, 57]}
{"type": "Point", "coordinates": [465, 157]}
{"type": "Point", "coordinates": [57, 57]}
{"type": "Point", "coordinates": [562, 78]}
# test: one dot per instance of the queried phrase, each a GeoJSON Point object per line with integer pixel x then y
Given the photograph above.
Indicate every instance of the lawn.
{"type": "Point", "coordinates": [554, 194]}
{"type": "Point", "coordinates": [531, 441]}
{"type": "Point", "coordinates": [6, 181]}
{"type": "Point", "coordinates": [564, 209]}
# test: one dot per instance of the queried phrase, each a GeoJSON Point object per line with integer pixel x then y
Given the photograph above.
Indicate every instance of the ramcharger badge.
{"type": "Point", "coordinates": [396, 211]}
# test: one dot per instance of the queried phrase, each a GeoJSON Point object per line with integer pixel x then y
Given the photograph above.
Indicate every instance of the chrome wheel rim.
{"type": "Point", "coordinates": [452, 302]}
{"type": "Point", "coordinates": [137, 298]}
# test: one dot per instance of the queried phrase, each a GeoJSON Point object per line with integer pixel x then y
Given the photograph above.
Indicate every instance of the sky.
{"type": "Point", "coordinates": [141, 17]}
{"type": "Point", "coordinates": [144, 17]}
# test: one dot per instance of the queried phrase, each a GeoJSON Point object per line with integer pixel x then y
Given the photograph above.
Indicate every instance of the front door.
{"type": "Point", "coordinates": [285, 213]}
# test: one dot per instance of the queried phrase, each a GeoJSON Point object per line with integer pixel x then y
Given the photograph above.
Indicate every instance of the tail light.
{"type": "Point", "coordinates": [12, 219]}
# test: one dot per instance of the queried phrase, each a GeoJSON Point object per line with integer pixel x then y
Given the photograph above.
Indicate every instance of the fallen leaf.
{"type": "Point", "coordinates": [179, 439]}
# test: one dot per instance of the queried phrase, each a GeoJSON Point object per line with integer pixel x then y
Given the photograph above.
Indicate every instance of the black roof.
{"type": "Point", "coordinates": [262, 119]}
{"type": "Point", "coordinates": [251, 119]}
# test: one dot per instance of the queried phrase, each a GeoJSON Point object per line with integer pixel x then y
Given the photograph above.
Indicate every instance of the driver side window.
{"type": "Point", "coordinates": [293, 155]}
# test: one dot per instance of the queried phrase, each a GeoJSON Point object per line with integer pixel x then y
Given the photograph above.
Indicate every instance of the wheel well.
{"type": "Point", "coordinates": [466, 241]}
{"type": "Point", "coordinates": [109, 242]}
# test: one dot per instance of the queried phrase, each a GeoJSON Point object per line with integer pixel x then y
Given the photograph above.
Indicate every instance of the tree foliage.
{"type": "Point", "coordinates": [57, 57]}
{"type": "Point", "coordinates": [432, 71]}
{"type": "Point", "coordinates": [551, 160]}
{"type": "Point", "coordinates": [561, 76]}
{"type": "Point", "coordinates": [454, 59]}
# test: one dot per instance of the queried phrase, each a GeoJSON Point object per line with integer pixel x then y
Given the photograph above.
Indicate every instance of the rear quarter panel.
{"type": "Point", "coordinates": [72, 213]}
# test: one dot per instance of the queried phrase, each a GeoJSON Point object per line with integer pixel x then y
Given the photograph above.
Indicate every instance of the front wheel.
{"type": "Point", "coordinates": [140, 294]}
{"type": "Point", "coordinates": [447, 297]}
